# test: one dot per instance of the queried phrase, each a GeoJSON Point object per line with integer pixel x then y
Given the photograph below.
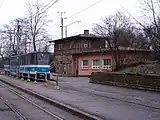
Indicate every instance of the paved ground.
{"type": "Point", "coordinates": [82, 84]}
{"type": "Point", "coordinates": [111, 103]}
{"type": "Point", "coordinates": [6, 113]}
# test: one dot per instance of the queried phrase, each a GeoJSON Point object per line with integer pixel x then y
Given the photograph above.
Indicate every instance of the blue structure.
{"type": "Point", "coordinates": [13, 65]}
{"type": "Point", "coordinates": [34, 65]}
{"type": "Point", "coordinates": [6, 66]}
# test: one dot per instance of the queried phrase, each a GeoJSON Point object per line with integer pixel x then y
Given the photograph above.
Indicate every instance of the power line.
{"type": "Point", "coordinates": [85, 9]}
{"type": "Point", "coordinates": [82, 10]}
{"type": "Point", "coordinates": [133, 17]}
{"type": "Point", "coordinates": [50, 5]}
{"type": "Point", "coordinates": [44, 8]}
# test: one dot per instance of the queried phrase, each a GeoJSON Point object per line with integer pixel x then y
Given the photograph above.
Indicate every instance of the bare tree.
{"type": "Point", "coordinates": [7, 35]}
{"type": "Point", "coordinates": [151, 10]}
{"type": "Point", "coordinates": [120, 33]}
{"type": "Point", "coordinates": [117, 31]}
{"type": "Point", "coordinates": [37, 21]}
{"type": "Point", "coordinates": [28, 33]}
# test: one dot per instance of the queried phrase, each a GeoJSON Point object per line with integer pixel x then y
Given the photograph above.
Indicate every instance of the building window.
{"type": "Point", "coordinates": [86, 43]}
{"type": "Point", "coordinates": [72, 44]}
{"type": "Point", "coordinates": [60, 46]}
{"type": "Point", "coordinates": [106, 63]}
{"type": "Point", "coordinates": [95, 64]}
{"type": "Point", "coordinates": [84, 64]}
{"type": "Point", "coordinates": [106, 44]}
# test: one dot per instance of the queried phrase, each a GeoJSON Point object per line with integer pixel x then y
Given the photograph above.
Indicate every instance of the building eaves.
{"type": "Point", "coordinates": [105, 50]}
{"type": "Point", "coordinates": [77, 36]}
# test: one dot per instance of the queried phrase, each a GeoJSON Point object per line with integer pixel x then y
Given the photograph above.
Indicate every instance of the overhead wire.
{"type": "Point", "coordinates": [51, 5]}
{"type": "Point", "coordinates": [45, 7]}
{"type": "Point", "coordinates": [47, 4]}
{"type": "Point", "coordinates": [133, 17]}
{"type": "Point", "coordinates": [85, 9]}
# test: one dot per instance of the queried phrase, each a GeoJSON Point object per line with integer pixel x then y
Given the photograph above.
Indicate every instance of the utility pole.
{"type": "Point", "coordinates": [18, 47]}
{"type": "Point", "coordinates": [25, 50]}
{"type": "Point", "coordinates": [69, 25]}
{"type": "Point", "coordinates": [62, 23]}
{"type": "Point", "coordinates": [18, 39]}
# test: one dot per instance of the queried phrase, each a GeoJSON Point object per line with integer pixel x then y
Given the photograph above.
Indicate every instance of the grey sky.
{"type": "Point", "coordinates": [11, 9]}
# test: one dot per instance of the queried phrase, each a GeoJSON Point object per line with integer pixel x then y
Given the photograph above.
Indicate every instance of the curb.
{"type": "Point", "coordinates": [73, 110]}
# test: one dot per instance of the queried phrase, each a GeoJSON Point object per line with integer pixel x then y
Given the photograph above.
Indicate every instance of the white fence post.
{"type": "Point", "coordinates": [35, 79]}
{"type": "Point", "coordinates": [22, 76]}
{"type": "Point", "coordinates": [28, 80]}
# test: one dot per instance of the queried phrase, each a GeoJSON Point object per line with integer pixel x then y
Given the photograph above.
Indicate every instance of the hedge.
{"type": "Point", "coordinates": [130, 80]}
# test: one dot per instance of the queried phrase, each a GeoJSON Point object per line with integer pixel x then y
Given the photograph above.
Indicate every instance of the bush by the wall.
{"type": "Point", "coordinates": [127, 80]}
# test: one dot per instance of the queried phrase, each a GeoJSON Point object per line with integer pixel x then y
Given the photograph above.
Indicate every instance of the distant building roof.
{"type": "Point", "coordinates": [78, 36]}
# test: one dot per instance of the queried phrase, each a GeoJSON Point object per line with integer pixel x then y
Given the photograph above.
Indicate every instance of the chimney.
{"type": "Point", "coordinates": [86, 32]}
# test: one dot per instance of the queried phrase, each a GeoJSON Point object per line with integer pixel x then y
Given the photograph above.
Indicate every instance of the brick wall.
{"type": "Point", "coordinates": [63, 64]}
{"type": "Point", "coordinates": [63, 58]}
{"type": "Point", "coordinates": [127, 58]}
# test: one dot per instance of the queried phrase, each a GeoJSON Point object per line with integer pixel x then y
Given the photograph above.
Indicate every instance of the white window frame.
{"type": "Point", "coordinates": [106, 66]}
{"type": "Point", "coordinates": [85, 67]}
{"type": "Point", "coordinates": [106, 44]}
{"type": "Point", "coordinates": [86, 43]}
{"type": "Point", "coordinates": [96, 66]}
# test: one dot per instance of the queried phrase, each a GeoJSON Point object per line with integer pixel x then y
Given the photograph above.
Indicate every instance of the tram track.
{"type": "Point", "coordinates": [22, 117]}
{"type": "Point", "coordinates": [73, 111]}
{"type": "Point", "coordinates": [15, 110]}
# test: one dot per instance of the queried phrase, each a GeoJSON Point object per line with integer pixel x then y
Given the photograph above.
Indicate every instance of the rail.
{"type": "Point", "coordinates": [70, 109]}
{"type": "Point", "coordinates": [19, 114]}
{"type": "Point", "coordinates": [28, 100]}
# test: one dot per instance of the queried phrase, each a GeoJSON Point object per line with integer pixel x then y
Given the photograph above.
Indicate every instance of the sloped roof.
{"type": "Point", "coordinates": [78, 36]}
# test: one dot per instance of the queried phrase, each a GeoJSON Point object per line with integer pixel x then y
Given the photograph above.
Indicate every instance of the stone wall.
{"type": "Point", "coordinates": [138, 81]}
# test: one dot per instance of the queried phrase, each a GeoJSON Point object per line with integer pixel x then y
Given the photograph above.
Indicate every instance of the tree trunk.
{"type": "Point", "coordinates": [34, 43]}
{"type": "Point", "coordinates": [116, 57]}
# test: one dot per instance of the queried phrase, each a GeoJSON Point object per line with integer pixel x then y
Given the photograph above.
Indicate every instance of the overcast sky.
{"type": "Point", "coordinates": [11, 9]}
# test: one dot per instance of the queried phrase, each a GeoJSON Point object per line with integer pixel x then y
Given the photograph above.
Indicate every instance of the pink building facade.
{"type": "Point", "coordinates": [85, 64]}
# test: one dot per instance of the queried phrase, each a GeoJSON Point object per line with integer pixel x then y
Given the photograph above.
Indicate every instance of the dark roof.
{"type": "Point", "coordinates": [78, 36]}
